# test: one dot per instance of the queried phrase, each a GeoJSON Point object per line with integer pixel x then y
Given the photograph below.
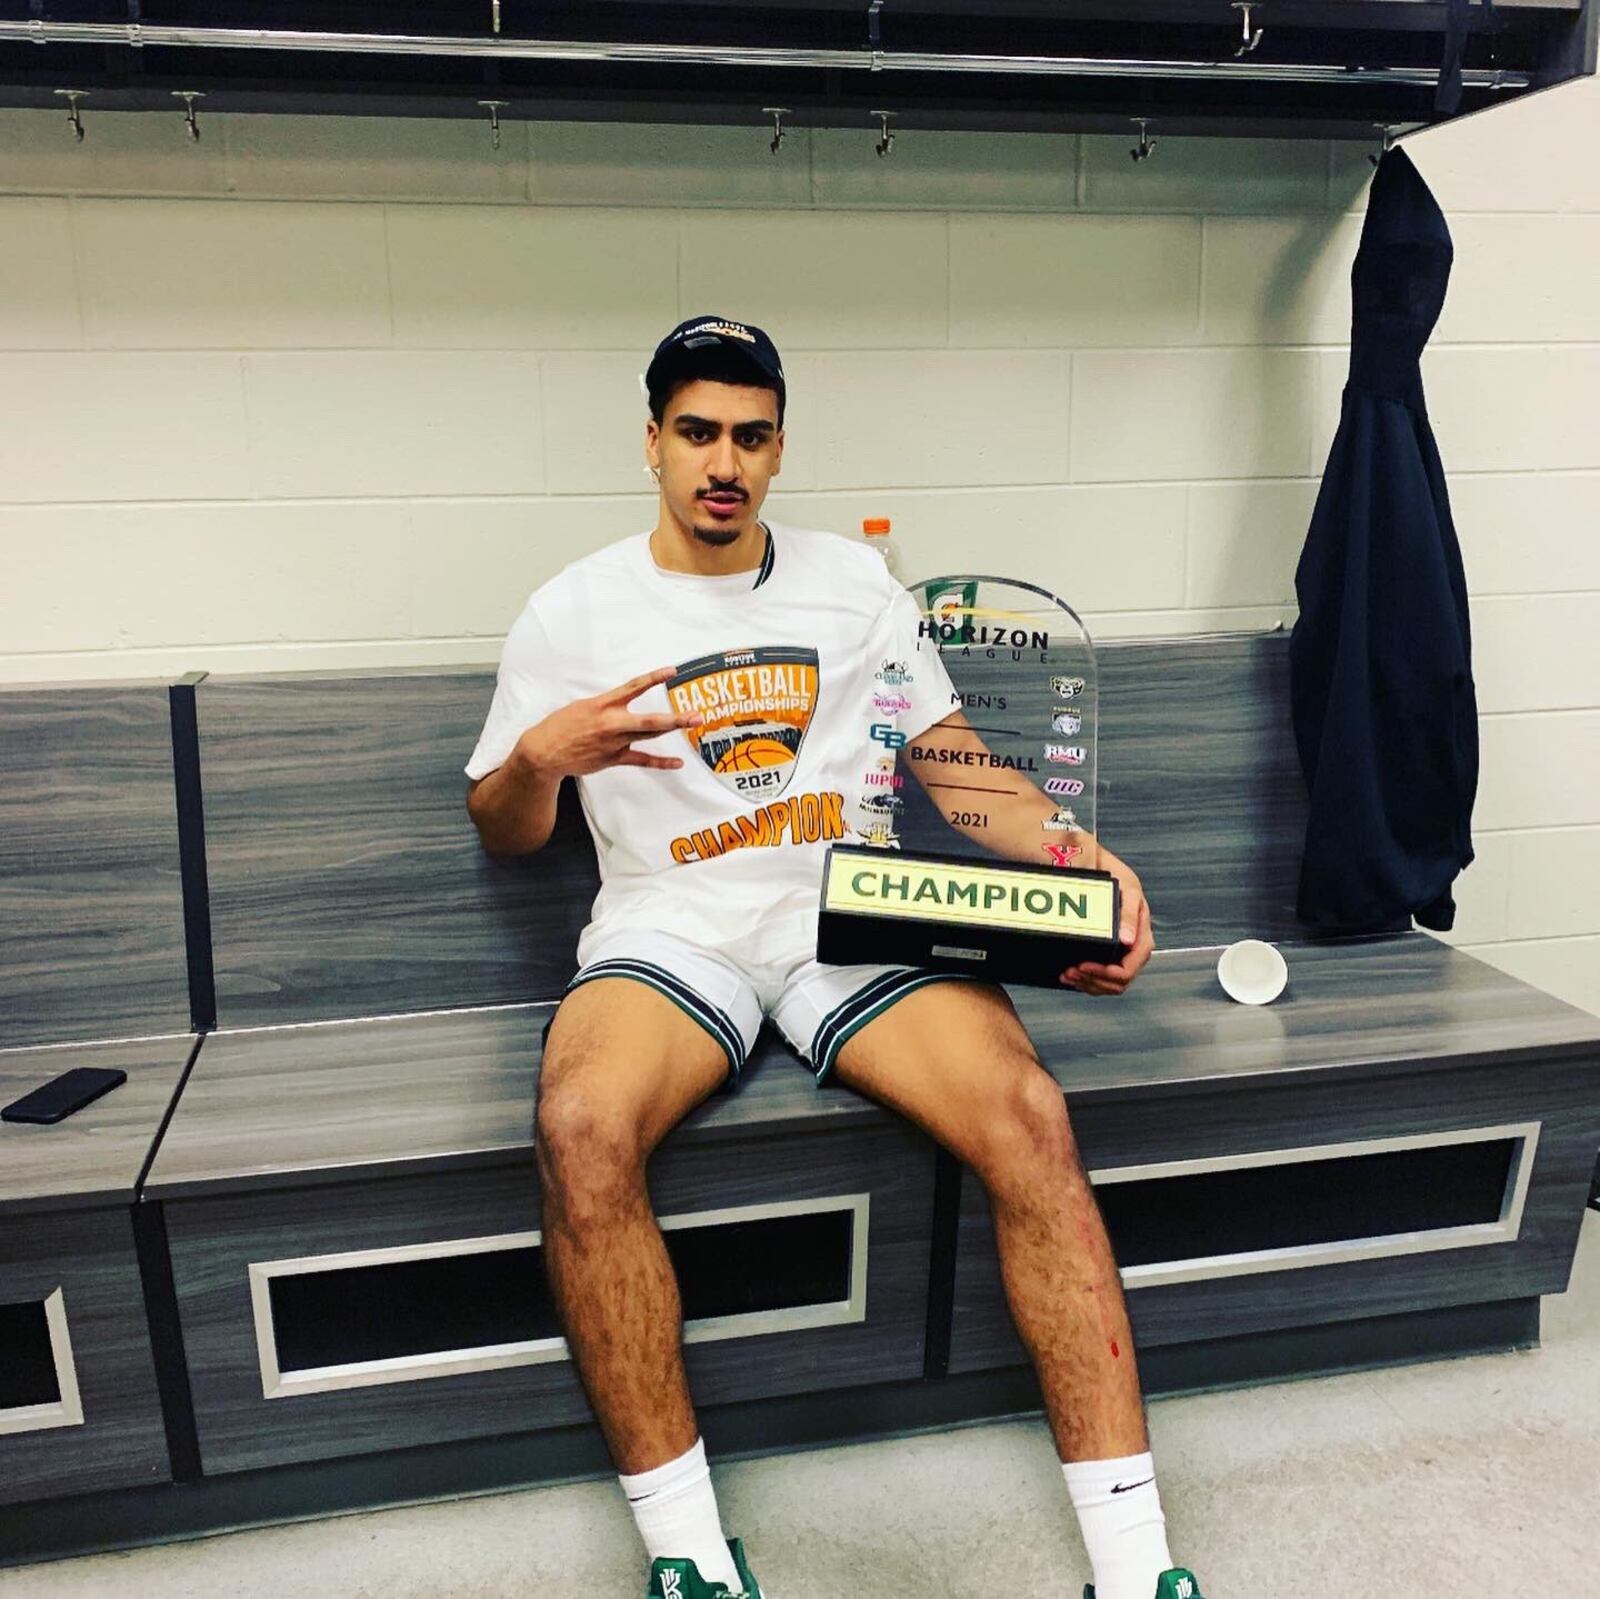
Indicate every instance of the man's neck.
{"type": "Point", "coordinates": [677, 550]}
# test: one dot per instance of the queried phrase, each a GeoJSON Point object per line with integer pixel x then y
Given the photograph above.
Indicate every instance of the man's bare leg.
{"type": "Point", "coordinates": [622, 1066]}
{"type": "Point", "coordinates": [955, 1059]}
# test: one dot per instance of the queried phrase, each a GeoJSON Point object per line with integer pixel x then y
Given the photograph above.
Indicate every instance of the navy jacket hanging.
{"type": "Point", "coordinates": [1385, 716]}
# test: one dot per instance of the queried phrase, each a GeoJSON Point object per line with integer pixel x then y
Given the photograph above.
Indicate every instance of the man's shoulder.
{"type": "Point", "coordinates": [571, 593]}
{"type": "Point", "coordinates": [811, 538]}
{"type": "Point", "coordinates": [829, 552]}
{"type": "Point", "coordinates": [603, 566]}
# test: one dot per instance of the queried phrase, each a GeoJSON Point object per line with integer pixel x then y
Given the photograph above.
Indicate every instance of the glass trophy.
{"type": "Point", "coordinates": [974, 825]}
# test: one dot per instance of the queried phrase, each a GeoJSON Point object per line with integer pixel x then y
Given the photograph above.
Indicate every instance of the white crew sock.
{"type": "Point", "coordinates": [1125, 1533]}
{"type": "Point", "coordinates": [675, 1508]}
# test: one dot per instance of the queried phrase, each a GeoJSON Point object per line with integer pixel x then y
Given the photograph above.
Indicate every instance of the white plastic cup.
{"type": "Point", "coordinates": [1252, 972]}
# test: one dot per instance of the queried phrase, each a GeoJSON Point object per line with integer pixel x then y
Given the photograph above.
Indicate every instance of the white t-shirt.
{"type": "Point", "coordinates": [810, 679]}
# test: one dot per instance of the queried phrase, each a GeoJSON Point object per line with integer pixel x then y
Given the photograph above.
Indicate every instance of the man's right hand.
{"type": "Point", "coordinates": [592, 734]}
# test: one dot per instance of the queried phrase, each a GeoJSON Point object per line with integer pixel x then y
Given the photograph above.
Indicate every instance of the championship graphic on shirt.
{"type": "Point", "coordinates": [757, 706]}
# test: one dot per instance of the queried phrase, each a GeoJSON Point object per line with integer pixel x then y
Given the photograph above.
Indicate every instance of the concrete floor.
{"type": "Point", "coordinates": [1477, 1476]}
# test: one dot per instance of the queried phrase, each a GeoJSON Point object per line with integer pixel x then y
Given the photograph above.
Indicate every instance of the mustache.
{"type": "Point", "coordinates": [723, 494]}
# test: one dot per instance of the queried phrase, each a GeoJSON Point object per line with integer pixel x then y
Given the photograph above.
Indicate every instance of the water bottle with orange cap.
{"type": "Point", "coordinates": [879, 537]}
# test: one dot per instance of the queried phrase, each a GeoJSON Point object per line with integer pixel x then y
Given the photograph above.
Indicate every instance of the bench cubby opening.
{"type": "Point", "coordinates": [475, 1304]}
{"type": "Point", "coordinates": [38, 1379]}
{"type": "Point", "coordinates": [1287, 1209]}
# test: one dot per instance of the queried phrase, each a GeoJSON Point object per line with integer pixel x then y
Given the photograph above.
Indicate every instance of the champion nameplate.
{"type": "Point", "coordinates": [976, 896]}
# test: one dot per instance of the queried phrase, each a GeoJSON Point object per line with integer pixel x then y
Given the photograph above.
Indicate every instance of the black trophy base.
{"type": "Point", "coordinates": [911, 934]}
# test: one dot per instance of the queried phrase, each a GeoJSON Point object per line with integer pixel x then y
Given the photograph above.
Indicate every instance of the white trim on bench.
{"type": "Point", "coordinates": [276, 1384]}
{"type": "Point", "coordinates": [1504, 1230]}
{"type": "Point", "coordinates": [67, 1411]}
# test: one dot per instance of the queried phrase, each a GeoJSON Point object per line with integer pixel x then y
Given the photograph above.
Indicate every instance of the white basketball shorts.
{"type": "Point", "coordinates": [817, 1008]}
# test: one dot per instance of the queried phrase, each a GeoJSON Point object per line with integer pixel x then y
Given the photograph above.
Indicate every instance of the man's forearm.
{"type": "Point", "coordinates": [1010, 823]}
{"type": "Point", "coordinates": [1013, 826]}
{"type": "Point", "coordinates": [514, 807]}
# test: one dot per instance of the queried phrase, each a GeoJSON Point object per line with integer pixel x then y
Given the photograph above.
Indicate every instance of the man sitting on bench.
{"type": "Point", "coordinates": [706, 922]}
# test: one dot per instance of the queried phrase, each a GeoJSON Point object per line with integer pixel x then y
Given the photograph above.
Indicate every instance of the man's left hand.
{"type": "Point", "coordinates": [1092, 977]}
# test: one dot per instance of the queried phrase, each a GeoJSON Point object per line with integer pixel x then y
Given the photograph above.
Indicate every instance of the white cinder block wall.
{"type": "Point", "coordinates": [317, 393]}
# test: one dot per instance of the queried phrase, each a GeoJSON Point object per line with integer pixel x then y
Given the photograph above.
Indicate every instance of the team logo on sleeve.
{"type": "Point", "coordinates": [757, 705]}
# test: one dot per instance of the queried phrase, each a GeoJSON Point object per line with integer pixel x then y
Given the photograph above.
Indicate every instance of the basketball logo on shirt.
{"type": "Point", "coordinates": [757, 706]}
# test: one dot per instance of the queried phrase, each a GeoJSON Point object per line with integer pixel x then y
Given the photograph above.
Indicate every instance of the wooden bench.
{"type": "Point", "coordinates": [92, 947]}
{"type": "Point", "coordinates": [1388, 1163]}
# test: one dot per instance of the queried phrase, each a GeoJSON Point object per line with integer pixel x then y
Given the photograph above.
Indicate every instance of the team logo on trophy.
{"type": "Point", "coordinates": [757, 706]}
{"type": "Point", "coordinates": [993, 872]}
{"type": "Point", "coordinates": [947, 606]}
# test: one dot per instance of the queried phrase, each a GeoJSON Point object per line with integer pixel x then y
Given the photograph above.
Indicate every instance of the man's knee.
{"type": "Point", "coordinates": [1028, 1128]}
{"type": "Point", "coordinates": [587, 1145]}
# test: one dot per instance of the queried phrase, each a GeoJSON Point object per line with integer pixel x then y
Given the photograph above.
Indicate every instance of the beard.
{"type": "Point", "coordinates": [718, 537]}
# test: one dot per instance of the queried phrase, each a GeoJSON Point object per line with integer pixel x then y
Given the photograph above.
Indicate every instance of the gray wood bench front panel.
{"type": "Point", "coordinates": [346, 878]}
{"type": "Point", "coordinates": [91, 905]}
{"type": "Point", "coordinates": [80, 1407]}
{"type": "Point", "coordinates": [256, 1406]}
{"type": "Point", "coordinates": [1374, 1043]}
{"type": "Point", "coordinates": [78, 1401]}
{"type": "Point", "coordinates": [275, 1152]}
{"type": "Point", "coordinates": [381, 1135]}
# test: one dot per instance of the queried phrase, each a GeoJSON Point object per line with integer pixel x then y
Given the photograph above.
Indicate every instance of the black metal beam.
{"type": "Point", "coordinates": [1362, 43]}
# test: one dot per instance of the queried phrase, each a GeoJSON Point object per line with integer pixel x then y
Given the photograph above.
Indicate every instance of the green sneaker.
{"type": "Point", "coordinates": [681, 1579]}
{"type": "Point", "coordinates": [1174, 1584]}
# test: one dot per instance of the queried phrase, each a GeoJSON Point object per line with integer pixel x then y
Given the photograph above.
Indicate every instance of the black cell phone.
{"type": "Point", "coordinates": [62, 1095]}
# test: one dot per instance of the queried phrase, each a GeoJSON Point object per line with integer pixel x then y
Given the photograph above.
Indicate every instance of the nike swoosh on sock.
{"type": "Point", "coordinates": [1128, 1487]}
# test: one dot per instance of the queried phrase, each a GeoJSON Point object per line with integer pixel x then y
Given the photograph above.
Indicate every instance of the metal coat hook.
{"type": "Point", "coordinates": [1250, 40]}
{"type": "Point", "coordinates": [1146, 145]}
{"type": "Point", "coordinates": [190, 96]}
{"type": "Point", "coordinates": [74, 95]}
{"type": "Point", "coordinates": [777, 113]}
{"type": "Point", "coordinates": [494, 119]}
{"type": "Point", "coordinates": [1388, 142]}
{"type": "Point", "coordinates": [885, 139]}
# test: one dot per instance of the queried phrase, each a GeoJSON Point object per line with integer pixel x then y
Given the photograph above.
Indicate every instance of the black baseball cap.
{"type": "Point", "coordinates": [688, 344]}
